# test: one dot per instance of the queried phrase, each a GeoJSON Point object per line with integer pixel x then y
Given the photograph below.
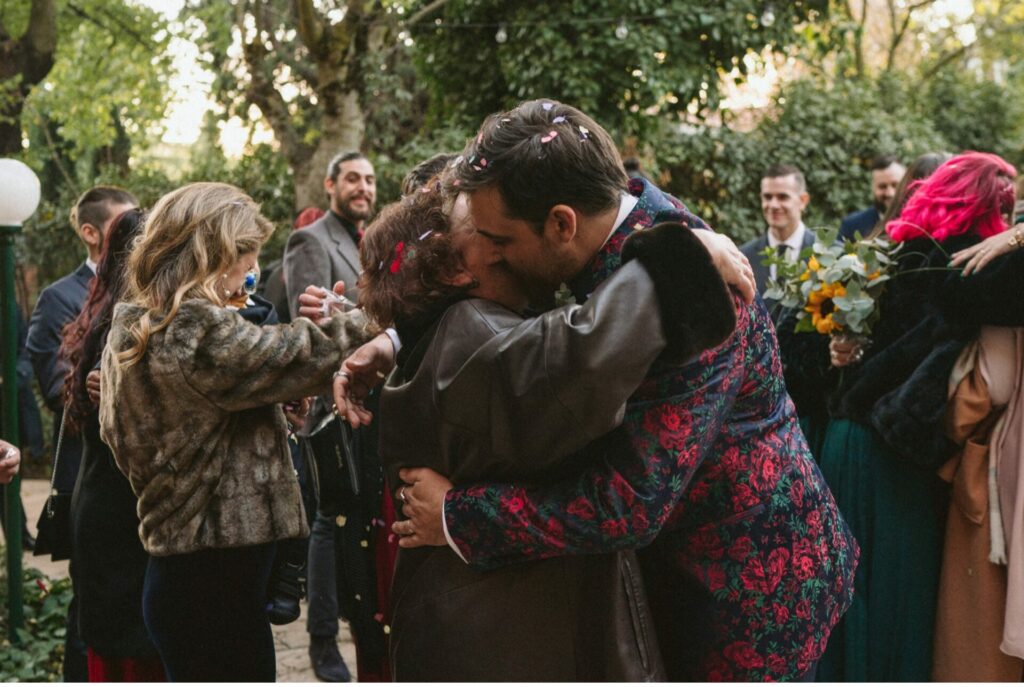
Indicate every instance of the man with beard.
{"type": "Point", "coordinates": [886, 172]}
{"type": "Point", "coordinates": [321, 254]}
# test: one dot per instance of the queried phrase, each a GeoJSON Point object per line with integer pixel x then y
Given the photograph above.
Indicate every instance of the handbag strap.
{"type": "Point", "coordinates": [56, 458]}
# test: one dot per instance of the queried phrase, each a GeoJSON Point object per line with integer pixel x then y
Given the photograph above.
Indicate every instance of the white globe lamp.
{"type": "Point", "coordinates": [19, 192]}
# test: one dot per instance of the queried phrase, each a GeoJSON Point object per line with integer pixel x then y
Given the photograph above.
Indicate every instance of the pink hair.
{"type": "Point", "coordinates": [969, 193]}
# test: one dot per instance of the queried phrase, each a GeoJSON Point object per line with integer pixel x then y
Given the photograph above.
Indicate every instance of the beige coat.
{"type": "Point", "coordinates": [196, 428]}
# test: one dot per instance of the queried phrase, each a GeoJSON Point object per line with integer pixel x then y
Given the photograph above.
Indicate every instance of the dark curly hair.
{"type": "Point", "coordinates": [409, 259]}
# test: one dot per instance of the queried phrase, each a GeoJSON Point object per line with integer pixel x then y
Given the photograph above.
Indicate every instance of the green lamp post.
{"type": "Point", "coordinates": [19, 197]}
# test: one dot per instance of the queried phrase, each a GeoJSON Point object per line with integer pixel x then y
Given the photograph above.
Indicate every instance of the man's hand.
{"type": "Point", "coordinates": [730, 263]}
{"type": "Point", "coordinates": [422, 500]}
{"type": "Point", "coordinates": [92, 386]}
{"type": "Point", "coordinates": [317, 304]}
{"type": "Point", "coordinates": [361, 372]}
{"type": "Point", "coordinates": [10, 461]}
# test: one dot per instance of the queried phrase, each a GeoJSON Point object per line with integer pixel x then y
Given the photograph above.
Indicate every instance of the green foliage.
{"type": "Point", "coordinates": [107, 88]}
{"type": "Point", "coordinates": [39, 654]}
{"type": "Point", "coordinates": [976, 114]}
{"type": "Point", "coordinates": [830, 133]}
{"type": "Point", "coordinates": [670, 56]}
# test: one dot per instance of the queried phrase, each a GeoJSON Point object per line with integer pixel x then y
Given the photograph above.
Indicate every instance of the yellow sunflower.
{"type": "Point", "coordinates": [821, 307]}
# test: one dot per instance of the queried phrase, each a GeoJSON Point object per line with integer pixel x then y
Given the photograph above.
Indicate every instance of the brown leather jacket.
{"type": "Point", "coordinates": [579, 618]}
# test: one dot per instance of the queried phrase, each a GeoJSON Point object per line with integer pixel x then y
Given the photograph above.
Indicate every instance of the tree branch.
{"type": "Point", "coordinates": [311, 28]}
{"type": "Point", "coordinates": [426, 12]}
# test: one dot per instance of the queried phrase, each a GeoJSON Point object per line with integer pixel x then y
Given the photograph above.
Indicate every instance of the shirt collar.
{"type": "Point", "coordinates": [90, 264]}
{"type": "Point", "coordinates": [626, 204]}
{"type": "Point", "coordinates": [795, 240]}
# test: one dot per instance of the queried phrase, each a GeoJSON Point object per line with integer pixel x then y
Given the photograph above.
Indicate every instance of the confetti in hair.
{"type": "Point", "coordinates": [396, 264]}
{"type": "Point", "coordinates": [584, 133]}
{"type": "Point", "coordinates": [425, 234]}
{"type": "Point", "coordinates": [551, 135]}
{"type": "Point", "coordinates": [558, 120]}
{"type": "Point", "coordinates": [547, 106]}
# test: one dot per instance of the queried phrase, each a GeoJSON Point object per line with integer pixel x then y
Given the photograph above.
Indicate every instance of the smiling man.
{"type": "Point", "coordinates": [784, 198]}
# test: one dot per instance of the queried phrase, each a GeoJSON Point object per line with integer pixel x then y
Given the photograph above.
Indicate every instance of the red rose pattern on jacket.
{"type": "Point", "coordinates": [720, 479]}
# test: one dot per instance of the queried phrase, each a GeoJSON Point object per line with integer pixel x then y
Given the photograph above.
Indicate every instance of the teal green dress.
{"type": "Point", "coordinates": [897, 514]}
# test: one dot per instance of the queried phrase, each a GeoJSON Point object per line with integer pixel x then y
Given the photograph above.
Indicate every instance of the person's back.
{"type": "Point", "coordinates": [566, 619]}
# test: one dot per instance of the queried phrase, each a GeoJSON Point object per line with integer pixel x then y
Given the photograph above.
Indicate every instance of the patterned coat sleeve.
{"type": "Point", "coordinates": [624, 496]}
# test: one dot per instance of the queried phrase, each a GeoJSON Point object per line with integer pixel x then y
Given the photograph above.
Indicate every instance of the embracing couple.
{"type": "Point", "coordinates": [616, 489]}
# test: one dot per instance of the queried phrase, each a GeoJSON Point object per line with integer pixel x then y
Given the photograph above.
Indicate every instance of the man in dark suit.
{"type": "Point", "coordinates": [783, 201]}
{"type": "Point", "coordinates": [58, 304]}
{"type": "Point", "coordinates": [886, 172]}
{"type": "Point", "coordinates": [321, 254]}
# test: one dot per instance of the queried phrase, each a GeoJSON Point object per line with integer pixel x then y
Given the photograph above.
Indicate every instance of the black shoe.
{"type": "Point", "coordinates": [286, 588]}
{"type": "Point", "coordinates": [28, 542]}
{"type": "Point", "coordinates": [328, 665]}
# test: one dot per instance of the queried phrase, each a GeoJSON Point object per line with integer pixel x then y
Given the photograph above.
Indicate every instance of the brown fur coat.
{"type": "Point", "coordinates": [196, 427]}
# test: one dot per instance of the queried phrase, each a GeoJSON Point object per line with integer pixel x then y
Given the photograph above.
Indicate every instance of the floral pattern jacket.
{"type": "Point", "coordinates": [716, 476]}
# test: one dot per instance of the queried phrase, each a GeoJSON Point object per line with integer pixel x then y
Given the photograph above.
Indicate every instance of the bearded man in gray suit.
{"type": "Point", "coordinates": [321, 254]}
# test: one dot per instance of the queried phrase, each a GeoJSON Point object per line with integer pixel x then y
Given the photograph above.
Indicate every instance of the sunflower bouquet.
{"type": "Point", "coordinates": [835, 285]}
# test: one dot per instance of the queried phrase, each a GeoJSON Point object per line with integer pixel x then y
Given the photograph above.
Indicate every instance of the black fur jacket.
{"type": "Point", "coordinates": [928, 314]}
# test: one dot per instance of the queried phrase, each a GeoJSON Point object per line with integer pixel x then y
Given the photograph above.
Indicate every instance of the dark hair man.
{"type": "Point", "coordinates": [545, 185]}
{"type": "Point", "coordinates": [886, 172]}
{"type": "Point", "coordinates": [322, 253]}
{"type": "Point", "coordinates": [783, 201]}
{"type": "Point", "coordinates": [58, 304]}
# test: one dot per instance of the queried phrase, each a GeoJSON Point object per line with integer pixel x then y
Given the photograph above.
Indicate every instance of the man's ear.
{"type": "Point", "coordinates": [460, 278]}
{"type": "Point", "coordinates": [560, 224]}
{"type": "Point", "coordinates": [90, 235]}
{"type": "Point", "coordinates": [329, 185]}
{"type": "Point", "coordinates": [805, 198]}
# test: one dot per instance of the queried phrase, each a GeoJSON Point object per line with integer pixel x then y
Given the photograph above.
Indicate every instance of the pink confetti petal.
{"type": "Point", "coordinates": [480, 138]}
{"type": "Point", "coordinates": [483, 162]}
{"type": "Point", "coordinates": [550, 136]}
{"type": "Point", "coordinates": [379, 617]}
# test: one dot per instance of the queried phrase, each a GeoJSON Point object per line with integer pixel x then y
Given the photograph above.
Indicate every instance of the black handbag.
{"type": "Point", "coordinates": [54, 527]}
{"type": "Point", "coordinates": [330, 455]}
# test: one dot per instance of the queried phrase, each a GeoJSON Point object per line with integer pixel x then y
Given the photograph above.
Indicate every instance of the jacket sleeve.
{"type": "Point", "coordinates": [992, 296]}
{"type": "Point", "coordinates": [546, 388]}
{"type": "Point", "coordinates": [43, 344]}
{"type": "Point", "coordinates": [622, 497]}
{"type": "Point", "coordinates": [305, 264]}
{"type": "Point", "coordinates": [238, 365]}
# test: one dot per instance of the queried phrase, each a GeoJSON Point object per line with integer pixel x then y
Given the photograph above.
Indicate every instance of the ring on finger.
{"type": "Point", "coordinates": [341, 374]}
{"type": "Point", "coordinates": [401, 494]}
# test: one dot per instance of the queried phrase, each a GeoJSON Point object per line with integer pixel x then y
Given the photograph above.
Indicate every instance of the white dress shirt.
{"type": "Point", "coordinates": [794, 244]}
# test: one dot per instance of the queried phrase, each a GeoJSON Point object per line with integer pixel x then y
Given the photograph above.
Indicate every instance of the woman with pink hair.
{"type": "Point", "coordinates": [885, 440]}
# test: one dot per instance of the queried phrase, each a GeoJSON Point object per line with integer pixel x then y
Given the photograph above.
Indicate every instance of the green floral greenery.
{"type": "Point", "coordinates": [836, 285]}
{"type": "Point", "coordinates": [39, 654]}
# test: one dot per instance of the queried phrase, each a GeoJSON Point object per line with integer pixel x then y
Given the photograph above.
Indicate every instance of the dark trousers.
{"type": "Point", "coordinates": [321, 579]}
{"type": "Point", "coordinates": [206, 614]}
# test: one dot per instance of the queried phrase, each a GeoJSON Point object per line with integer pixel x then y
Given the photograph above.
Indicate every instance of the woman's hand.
{"type": "Point", "coordinates": [318, 304]}
{"type": "Point", "coordinates": [422, 500]}
{"type": "Point", "coordinates": [296, 411]}
{"type": "Point", "coordinates": [361, 372]}
{"type": "Point", "coordinates": [981, 254]}
{"type": "Point", "coordinates": [10, 461]}
{"type": "Point", "coordinates": [730, 263]}
{"type": "Point", "coordinates": [845, 352]}
{"type": "Point", "coordinates": [93, 386]}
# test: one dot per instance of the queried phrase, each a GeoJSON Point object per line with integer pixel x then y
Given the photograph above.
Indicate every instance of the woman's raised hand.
{"type": "Point", "coordinates": [10, 461]}
{"type": "Point", "coordinates": [981, 254]}
{"type": "Point", "coordinates": [317, 303]}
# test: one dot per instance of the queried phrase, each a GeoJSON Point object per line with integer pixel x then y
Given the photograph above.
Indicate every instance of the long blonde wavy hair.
{"type": "Point", "coordinates": [191, 238]}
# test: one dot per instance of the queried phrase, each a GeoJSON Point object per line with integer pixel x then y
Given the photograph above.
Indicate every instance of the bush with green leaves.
{"type": "Point", "coordinates": [39, 653]}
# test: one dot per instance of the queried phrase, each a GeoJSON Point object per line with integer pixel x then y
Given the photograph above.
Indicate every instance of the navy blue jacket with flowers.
{"type": "Point", "coordinates": [719, 478]}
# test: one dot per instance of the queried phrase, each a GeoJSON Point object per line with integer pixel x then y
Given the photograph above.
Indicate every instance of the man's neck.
{"type": "Point", "coordinates": [358, 224]}
{"type": "Point", "coordinates": [594, 232]}
{"type": "Point", "coordinates": [782, 234]}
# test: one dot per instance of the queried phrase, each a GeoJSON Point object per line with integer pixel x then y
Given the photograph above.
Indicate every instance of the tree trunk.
{"type": "Point", "coordinates": [341, 131]}
{"type": "Point", "coordinates": [31, 58]}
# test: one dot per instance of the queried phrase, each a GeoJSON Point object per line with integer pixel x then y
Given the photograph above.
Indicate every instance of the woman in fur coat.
{"type": "Point", "coordinates": [190, 409]}
{"type": "Point", "coordinates": [885, 440]}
